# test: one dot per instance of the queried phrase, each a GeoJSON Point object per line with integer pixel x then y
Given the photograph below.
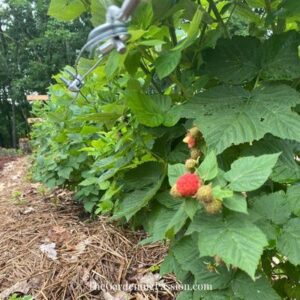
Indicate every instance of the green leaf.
{"type": "Point", "coordinates": [176, 222]}
{"type": "Point", "coordinates": [87, 130]}
{"type": "Point", "coordinates": [143, 15]}
{"type": "Point", "coordinates": [274, 207]}
{"type": "Point", "coordinates": [267, 228]}
{"type": "Point", "coordinates": [167, 265]}
{"type": "Point", "coordinates": [290, 9]}
{"type": "Point", "coordinates": [179, 153]}
{"type": "Point", "coordinates": [151, 43]}
{"type": "Point", "coordinates": [115, 61]}
{"type": "Point", "coordinates": [245, 288]}
{"type": "Point", "coordinates": [132, 61]}
{"type": "Point", "coordinates": [89, 206]}
{"type": "Point", "coordinates": [191, 206]}
{"type": "Point", "coordinates": [89, 181]}
{"type": "Point", "coordinates": [256, 3]}
{"type": "Point", "coordinates": [280, 57]}
{"type": "Point", "coordinates": [225, 294]}
{"type": "Point", "coordinates": [168, 201]}
{"type": "Point", "coordinates": [167, 63]}
{"type": "Point", "coordinates": [174, 172]}
{"type": "Point", "coordinates": [293, 199]}
{"type": "Point", "coordinates": [208, 169]}
{"type": "Point", "coordinates": [185, 295]}
{"type": "Point", "coordinates": [234, 61]}
{"type": "Point", "coordinates": [172, 116]}
{"type": "Point", "coordinates": [65, 172]}
{"type": "Point", "coordinates": [286, 170]}
{"type": "Point", "coordinates": [99, 117]}
{"type": "Point", "coordinates": [98, 10]}
{"type": "Point", "coordinates": [104, 207]}
{"type": "Point", "coordinates": [232, 115]}
{"type": "Point", "coordinates": [236, 203]}
{"type": "Point", "coordinates": [161, 9]}
{"type": "Point", "coordinates": [187, 254]}
{"type": "Point", "coordinates": [66, 10]}
{"type": "Point", "coordinates": [241, 59]}
{"type": "Point", "coordinates": [151, 110]}
{"type": "Point", "coordinates": [289, 241]}
{"type": "Point", "coordinates": [165, 222]}
{"type": "Point", "coordinates": [136, 34]}
{"type": "Point", "coordinates": [235, 239]}
{"type": "Point", "coordinates": [220, 193]}
{"type": "Point", "coordinates": [192, 32]}
{"type": "Point", "coordinates": [245, 13]}
{"type": "Point", "coordinates": [250, 173]}
{"type": "Point", "coordinates": [135, 200]}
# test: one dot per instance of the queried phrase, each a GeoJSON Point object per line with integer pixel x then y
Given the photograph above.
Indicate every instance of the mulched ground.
{"type": "Point", "coordinates": [5, 160]}
{"type": "Point", "coordinates": [49, 250]}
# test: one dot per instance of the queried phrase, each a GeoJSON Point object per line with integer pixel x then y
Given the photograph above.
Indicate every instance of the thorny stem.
{"type": "Point", "coordinates": [172, 32]}
{"type": "Point", "coordinates": [256, 81]}
{"type": "Point", "coordinates": [204, 27]}
{"type": "Point", "coordinates": [174, 41]}
{"type": "Point", "coordinates": [202, 34]}
{"type": "Point", "coordinates": [178, 82]}
{"type": "Point", "coordinates": [231, 13]}
{"type": "Point", "coordinates": [269, 11]}
{"type": "Point", "coordinates": [219, 18]}
{"type": "Point", "coordinates": [147, 72]}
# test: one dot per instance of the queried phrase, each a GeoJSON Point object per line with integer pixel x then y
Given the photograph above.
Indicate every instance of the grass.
{"type": "Point", "coordinates": [18, 199]}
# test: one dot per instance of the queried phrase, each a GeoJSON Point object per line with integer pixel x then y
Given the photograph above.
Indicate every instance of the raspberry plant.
{"type": "Point", "coordinates": [224, 77]}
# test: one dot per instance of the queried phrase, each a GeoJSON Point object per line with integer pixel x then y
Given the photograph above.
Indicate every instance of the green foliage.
{"type": "Point", "coordinates": [249, 173]}
{"type": "Point", "coordinates": [235, 239]}
{"type": "Point", "coordinates": [33, 47]}
{"type": "Point", "coordinates": [118, 145]}
{"type": "Point", "coordinates": [8, 152]}
{"type": "Point", "coordinates": [245, 288]}
{"type": "Point", "coordinates": [233, 115]}
{"type": "Point", "coordinates": [242, 59]}
{"type": "Point", "coordinates": [16, 297]}
{"type": "Point", "coordinates": [208, 170]}
{"type": "Point", "coordinates": [167, 63]}
{"type": "Point", "coordinates": [66, 10]}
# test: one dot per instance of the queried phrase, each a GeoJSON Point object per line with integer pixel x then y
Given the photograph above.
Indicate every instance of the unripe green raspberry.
{"type": "Point", "coordinates": [195, 132]}
{"type": "Point", "coordinates": [213, 207]}
{"type": "Point", "coordinates": [174, 192]}
{"type": "Point", "coordinates": [218, 260]}
{"type": "Point", "coordinates": [204, 194]}
{"type": "Point", "coordinates": [190, 164]}
{"type": "Point", "coordinates": [195, 153]}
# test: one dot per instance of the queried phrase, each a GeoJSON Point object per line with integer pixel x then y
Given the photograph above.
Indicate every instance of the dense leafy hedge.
{"type": "Point", "coordinates": [230, 68]}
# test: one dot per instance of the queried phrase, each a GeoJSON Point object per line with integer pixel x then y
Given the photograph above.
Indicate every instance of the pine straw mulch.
{"type": "Point", "coordinates": [50, 251]}
{"type": "Point", "coordinates": [5, 160]}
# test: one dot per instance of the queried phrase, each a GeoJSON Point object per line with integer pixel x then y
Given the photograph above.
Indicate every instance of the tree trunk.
{"type": "Point", "coordinates": [13, 124]}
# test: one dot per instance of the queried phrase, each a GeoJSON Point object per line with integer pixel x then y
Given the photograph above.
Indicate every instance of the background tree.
{"type": "Point", "coordinates": [33, 47]}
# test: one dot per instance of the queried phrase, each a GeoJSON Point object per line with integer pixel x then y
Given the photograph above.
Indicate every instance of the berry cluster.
{"type": "Point", "coordinates": [186, 185]}
{"type": "Point", "coordinates": [205, 196]}
{"type": "Point", "coordinates": [192, 139]}
{"type": "Point", "coordinates": [190, 184]}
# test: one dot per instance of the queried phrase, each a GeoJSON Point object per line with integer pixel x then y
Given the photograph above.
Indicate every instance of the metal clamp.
{"type": "Point", "coordinates": [113, 35]}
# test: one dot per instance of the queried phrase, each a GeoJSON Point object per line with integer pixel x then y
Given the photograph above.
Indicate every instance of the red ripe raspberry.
{"type": "Point", "coordinates": [188, 184]}
{"type": "Point", "coordinates": [190, 141]}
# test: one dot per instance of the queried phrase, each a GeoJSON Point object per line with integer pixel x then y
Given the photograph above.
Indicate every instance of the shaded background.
{"type": "Point", "coordinates": [33, 47]}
